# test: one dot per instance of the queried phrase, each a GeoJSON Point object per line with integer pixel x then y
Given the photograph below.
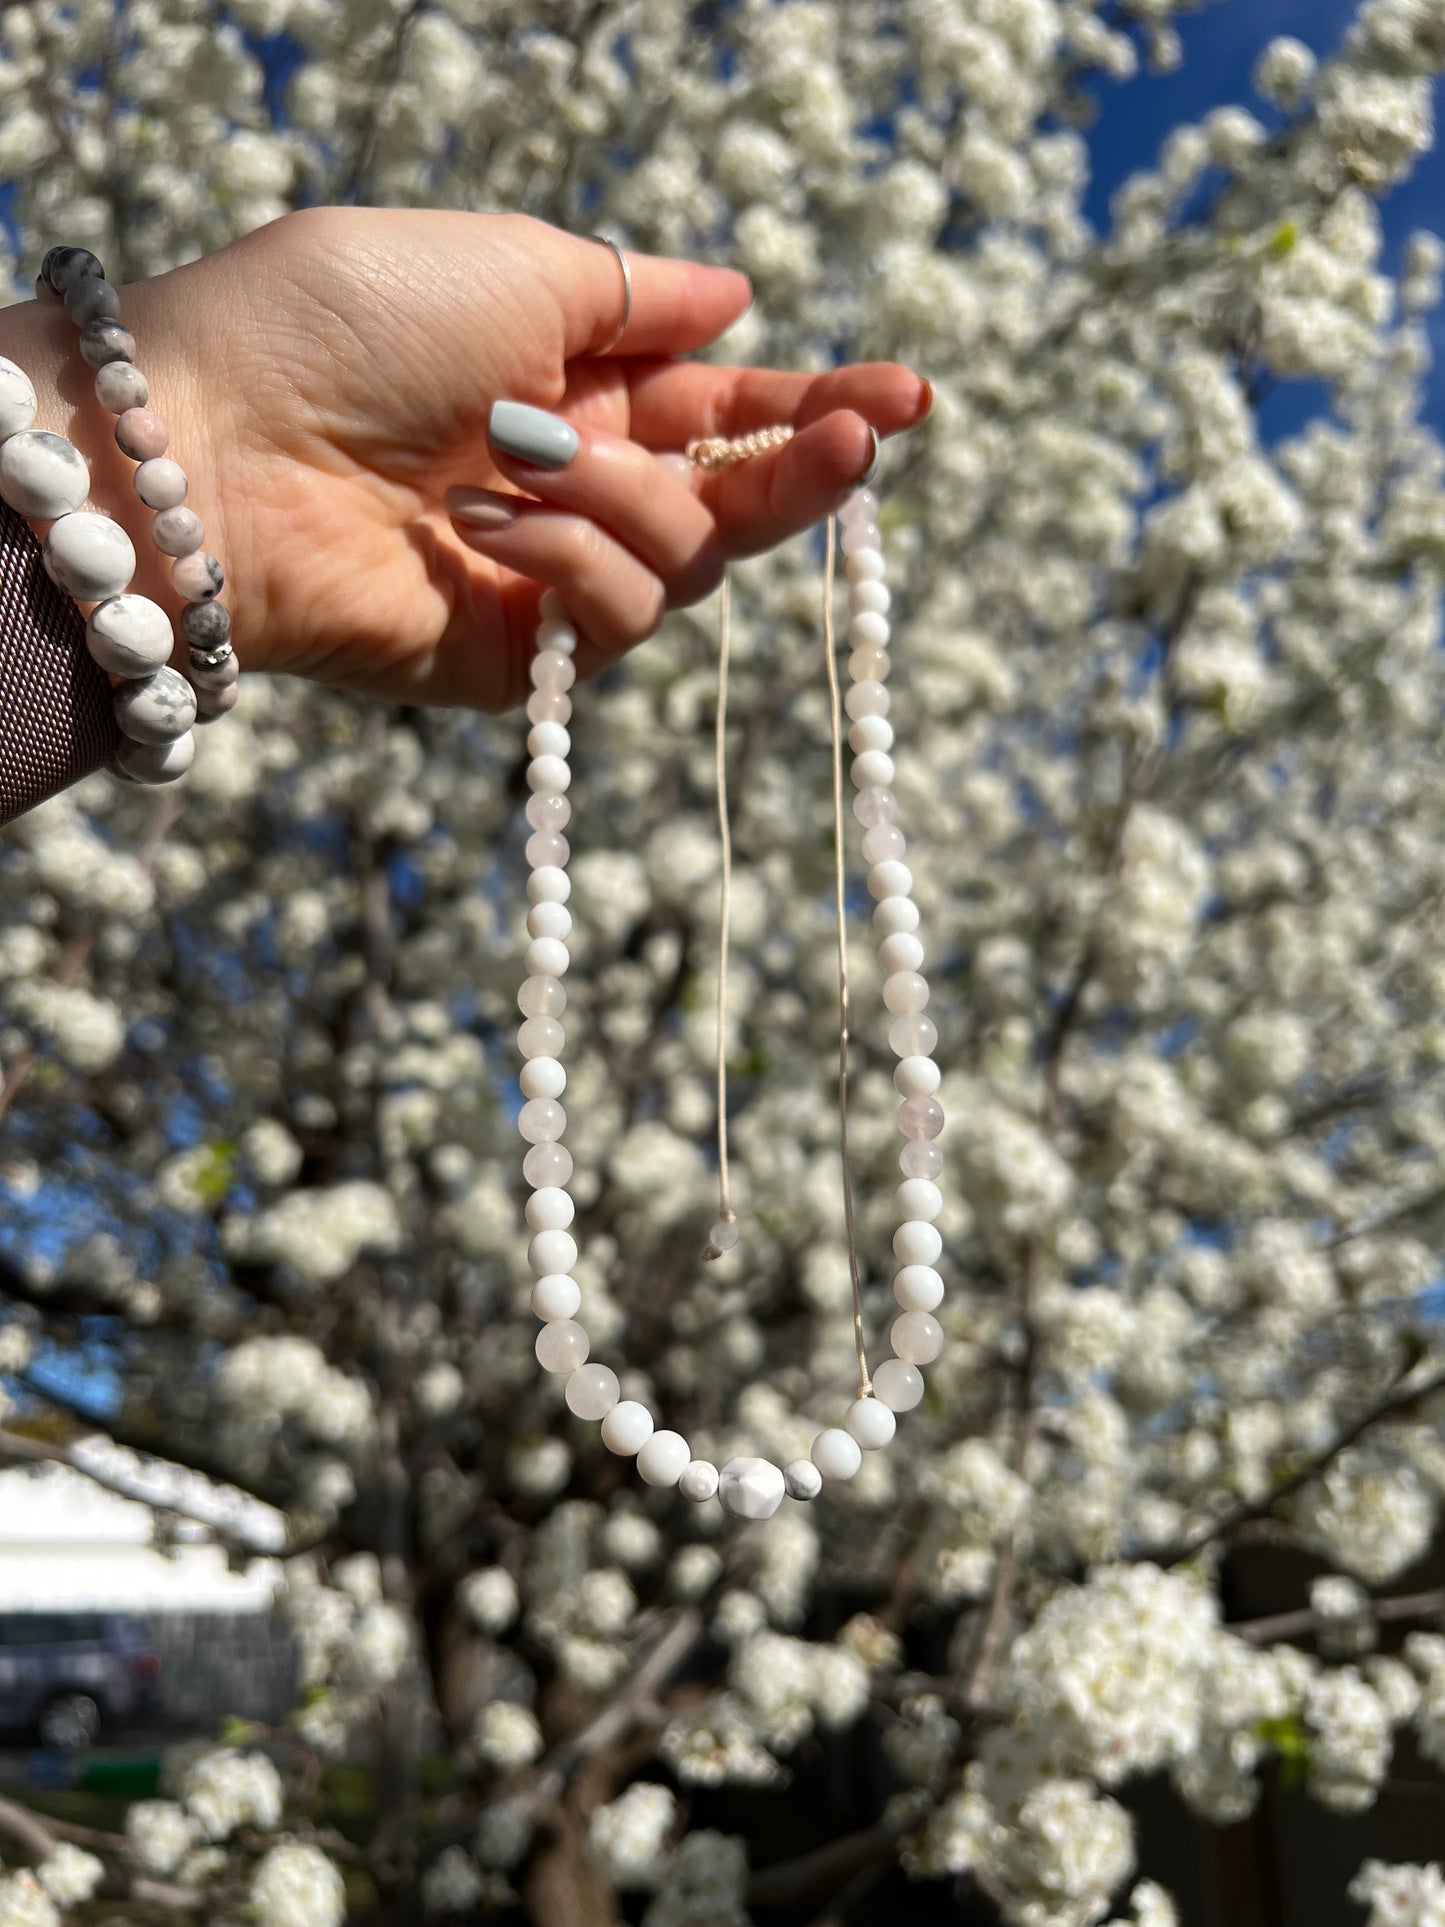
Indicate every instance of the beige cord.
{"type": "Point", "coordinates": [835, 708]}
{"type": "Point", "coordinates": [725, 1204]}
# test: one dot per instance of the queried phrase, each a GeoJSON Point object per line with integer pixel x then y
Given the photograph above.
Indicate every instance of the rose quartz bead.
{"type": "Point", "coordinates": [547, 1164]}
{"type": "Point", "coordinates": [875, 806]}
{"type": "Point", "coordinates": [198, 577]}
{"type": "Point", "coordinates": [861, 506]}
{"type": "Point", "coordinates": [177, 531]}
{"type": "Point", "coordinates": [920, 1117]}
{"type": "Point", "coordinates": [870, 661]}
{"type": "Point", "coordinates": [541, 1120]}
{"type": "Point", "coordinates": [120, 385]}
{"type": "Point", "coordinates": [912, 1035]}
{"type": "Point", "coordinates": [867, 699]}
{"type": "Point", "coordinates": [562, 1346]}
{"type": "Point", "coordinates": [552, 670]}
{"type": "Point", "coordinates": [592, 1391]}
{"type": "Point", "coordinates": [161, 484]}
{"type": "Point", "coordinates": [541, 1037]}
{"type": "Point", "coordinates": [884, 843]}
{"type": "Point", "coordinates": [141, 434]}
{"type": "Point", "coordinates": [547, 706]}
{"type": "Point", "coordinates": [898, 1384]}
{"type": "Point", "coordinates": [541, 997]}
{"type": "Point", "coordinates": [905, 992]}
{"type": "Point", "coordinates": [920, 1159]}
{"type": "Point", "coordinates": [548, 812]}
{"type": "Point", "coordinates": [860, 535]}
{"type": "Point", "coordinates": [546, 849]}
{"type": "Point", "coordinates": [916, 1337]}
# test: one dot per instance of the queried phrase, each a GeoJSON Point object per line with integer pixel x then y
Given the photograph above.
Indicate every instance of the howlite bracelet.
{"type": "Point", "coordinates": [129, 635]}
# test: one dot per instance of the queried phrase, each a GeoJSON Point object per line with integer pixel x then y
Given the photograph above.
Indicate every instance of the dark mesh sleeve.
{"type": "Point", "coordinates": [55, 701]}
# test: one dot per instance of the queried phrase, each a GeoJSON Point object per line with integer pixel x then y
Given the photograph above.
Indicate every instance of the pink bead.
{"type": "Point", "coordinates": [547, 1164]}
{"type": "Point", "coordinates": [869, 663]}
{"type": "Point", "coordinates": [920, 1117]}
{"type": "Point", "coordinates": [541, 1120]}
{"type": "Point", "coordinates": [548, 706]}
{"type": "Point", "coordinates": [916, 1337]}
{"type": "Point", "coordinates": [141, 434]}
{"type": "Point", "coordinates": [562, 1346]}
{"type": "Point", "coordinates": [875, 806]}
{"type": "Point", "coordinates": [920, 1159]}
{"type": "Point", "coordinates": [541, 1037]}
{"type": "Point", "coordinates": [214, 703]}
{"type": "Point", "coordinates": [541, 997]}
{"type": "Point", "coordinates": [912, 1035]}
{"type": "Point", "coordinates": [548, 812]}
{"type": "Point", "coordinates": [546, 849]}
{"type": "Point", "coordinates": [898, 1384]}
{"type": "Point", "coordinates": [884, 843]}
{"type": "Point", "coordinates": [198, 577]}
{"type": "Point", "coordinates": [553, 671]}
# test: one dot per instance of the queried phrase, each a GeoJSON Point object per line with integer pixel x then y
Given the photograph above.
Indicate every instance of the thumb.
{"type": "Point", "coordinates": [677, 306]}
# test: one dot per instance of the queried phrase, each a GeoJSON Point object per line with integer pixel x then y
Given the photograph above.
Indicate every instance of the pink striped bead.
{"type": "Point", "coordinates": [141, 434]}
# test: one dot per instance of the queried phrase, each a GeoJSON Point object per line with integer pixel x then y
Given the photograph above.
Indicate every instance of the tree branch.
{"type": "Point", "coordinates": [1413, 1605]}
{"type": "Point", "coordinates": [1248, 1509]}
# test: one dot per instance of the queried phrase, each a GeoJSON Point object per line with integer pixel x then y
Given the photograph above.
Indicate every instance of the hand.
{"type": "Point", "coordinates": [329, 377]}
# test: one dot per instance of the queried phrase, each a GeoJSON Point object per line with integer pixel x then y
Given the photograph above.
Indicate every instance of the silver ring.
{"type": "Point", "coordinates": [626, 292]}
{"type": "Point", "coordinates": [872, 469]}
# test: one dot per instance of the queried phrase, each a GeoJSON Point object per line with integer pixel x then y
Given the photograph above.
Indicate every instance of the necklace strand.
{"type": "Point", "coordinates": [748, 1487]}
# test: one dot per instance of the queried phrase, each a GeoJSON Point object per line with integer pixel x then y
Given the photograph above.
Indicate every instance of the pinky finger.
{"type": "Point", "coordinates": [611, 598]}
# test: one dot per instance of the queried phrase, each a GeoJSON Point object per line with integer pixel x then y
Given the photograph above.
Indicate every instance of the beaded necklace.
{"type": "Point", "coordinates": [748, 1487]}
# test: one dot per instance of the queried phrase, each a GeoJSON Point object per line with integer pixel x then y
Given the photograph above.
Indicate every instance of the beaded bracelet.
{"type": "Point", "coordinates": [89, 554]}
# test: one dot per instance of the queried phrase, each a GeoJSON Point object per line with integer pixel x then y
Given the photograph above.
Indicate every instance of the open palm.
{"type": "Point", "coordinates": [330, 376]}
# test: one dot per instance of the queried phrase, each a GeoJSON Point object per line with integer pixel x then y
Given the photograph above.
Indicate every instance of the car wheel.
{"type": "Point", "coordinates": [70, 1721]}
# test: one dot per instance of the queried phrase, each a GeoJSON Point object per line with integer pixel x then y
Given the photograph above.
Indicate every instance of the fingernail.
{"type": "Point", "coordinates": [531, 434]}
{"type": "Point", "coordinates": [872, 469]}
{"type": "Point", "coordinates": [927, 398]}
{"type": "Point", "coordinates": [482, 508]}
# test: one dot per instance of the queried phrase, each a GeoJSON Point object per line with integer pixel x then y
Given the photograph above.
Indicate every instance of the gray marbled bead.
{"type": "Point", "coordinates": [120, 385]}
{"type": "Point", "coordinates": [106, 339]}
{"type": "Point", "coordinates": [157, 762]}
{"type": "Point", "coordinates": [87, 555]}
{"type": "Point", "coordinates": [197, 577]}
{"type": "Point", "coordinates": [206, 625]}
{"type": "Point", "coordinates": [17, 398]}
{"type": "Point", "coordinates": [63, 265]}
{"type": "Point", "coordinates": [129, 635]}
{"type": "Point", "coordinates": [177, 531]}
{"type": "Point", "coordinates": [155, 708]}
{"type": "Point", "coordinates": [42, 474]}
{"type": "Point", "coordinates": [90, 297]}
{"type": "Point", "coordinates": [210, 678]}
{"type": "Point", "coordinates": [161, 483]}
{"type": "Point", "coordinates": [216, 702]}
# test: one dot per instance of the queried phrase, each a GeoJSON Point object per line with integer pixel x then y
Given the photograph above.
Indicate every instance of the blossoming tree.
{"type": "Point", "coordinates": [1173, 696]}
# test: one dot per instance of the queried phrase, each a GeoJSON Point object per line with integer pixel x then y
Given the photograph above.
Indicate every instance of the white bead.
{"type": "Point", "coordinates": [901, 951]}
{"type": "Point", "coordinates": [889, 880]}
{"type": "Point", "coordinates": [916, 1242]}
{"type": "Point", "coordinates": [157, 762]}
{"type": "Point", "coordinates": [905, 992]}
{"type": "Point", "coordinates": [870, 732]}
{"type": "Point", "coordinates": [549, 775]}
{"type": "Point", "coordinates": [17, 399]}
{"type": "Point", "coordinates": [870, 599]}
{"type": "Point", "coordinates": [873, 770]}
{"type": "Point", "coordinates": [836, 1453]}
{"type": "Point", "coordinates": [916, 1337]}
{"type": "Point", "coordinates": [592, 1391]}
{"type": "Point", "coordinates": [750, 1488]}
{"type": "Point", "coordinates": [895, 915]}
{"type": "Point", "coordinates": [550, 1209]}
{"type": "Point", "coordinates": [868, 631]}
{"type": "Point", "coordinates": [542, 1077]}
{"type": "Point", "coordinates": [918, 1288]}
{"type": "Point", "coordinates": [664, 1458]}
{"type": "Point", "coordinates": [549, 884]}
{"type": "Point", "coordinates": [916, 1077]}
{"type": "Point", "coordinates": [129, 635]}
{"type": "Point", "coordinates": [898, 1384]}
{"type": "Point", "coordinates": [867, 699]}
{"type": "Point", "coordinates": [549, 920]}
{"type": "Point", "coordinates": [918, 1198]}
{"type": "Point", "coordinates": [627, 1428]}
{"type": "Point", "coordinates": [546, 957]}
{"type": "Point", "coordinates": [556, 1297]}
{"type": "Point", "coordinates": [86, 554]}
{"type": "Point", "coordinates": [867, 566]}
{"type": "Point", "coordinates": [42, 475]}
{"type": "Point", "coordinates": [552, 1251]}
{"type": "Point", "coordinates": [555, 634]}
{"type": "Point", "coordinates": [699, 1481]}
{"type": "Point", "coordinates": [802, 1479]}
{"type": "Point", "coordinates": [871, 1423]}
{"type": "Point", "coordinates": [548, 739]}
{"type": "Point", "coordinates": [155, 708]}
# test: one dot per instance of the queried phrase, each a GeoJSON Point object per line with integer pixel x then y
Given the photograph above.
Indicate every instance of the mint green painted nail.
{"type": "Point", "coordinates": [531, 434]}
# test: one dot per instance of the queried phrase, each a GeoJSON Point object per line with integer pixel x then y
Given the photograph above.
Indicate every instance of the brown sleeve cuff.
{"type": "Point", "coordinates": [55, 700]}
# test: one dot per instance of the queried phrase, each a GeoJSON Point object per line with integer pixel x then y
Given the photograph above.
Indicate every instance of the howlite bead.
{"type": "Point", "coordinates": [42, 475]}
{"type": "Point", "coordinates": [17, 398]}
{"type": "Point", "coordinates": [105, 340]}
{"type": "Point", "coordinates": [157, 762]}
{"type": "Point", "coordinates": [155, 708]}
{"type": "Point", "coordinates": [91, 298]}
{"type": "Point", "coordinates": [87, 555]}
{"type": "Point", "coordinates": [129, 635]}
